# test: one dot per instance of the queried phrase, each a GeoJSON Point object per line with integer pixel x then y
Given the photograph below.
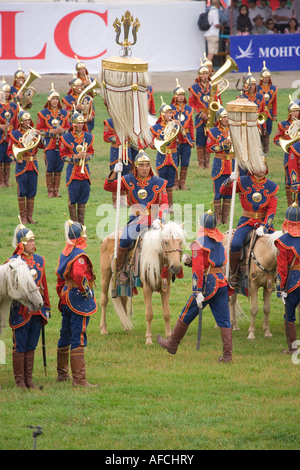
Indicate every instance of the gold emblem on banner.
{"type": "Point", "coordinates": [256, 197]}
{"type": "Point", "coordinates": [142, 194]}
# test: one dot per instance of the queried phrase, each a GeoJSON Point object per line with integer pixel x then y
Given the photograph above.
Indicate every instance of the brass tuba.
{"type": "Point", "coordinates": [27, 91]}
{"type": "Point", "coordinates": [293, 133]}
{"type": "Point", "coordinates": [219, 84]}
{"type": "Point", "coordinates": [29, 140]}
{"type": "Point", "coordinates": [169, 133]}
{"type": "Point", "coordinates": [86, 100]}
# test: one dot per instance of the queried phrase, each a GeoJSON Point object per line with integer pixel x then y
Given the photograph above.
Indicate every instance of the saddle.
{"type": "Point", "coordinates": [244, 263]}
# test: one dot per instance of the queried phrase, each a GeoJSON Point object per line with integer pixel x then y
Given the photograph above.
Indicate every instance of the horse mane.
{"type": "Point", "coordinates": [151, 259]}
{"type": "Point", "coordinates": [270, 239]}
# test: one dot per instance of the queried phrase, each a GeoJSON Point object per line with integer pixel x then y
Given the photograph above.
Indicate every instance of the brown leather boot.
{"type": "Point", "coordinates": [206, 155]}
{"type": "Point", "coordinates": [289, 196]}
{"type": "Point", "coordinates": [6, 174]}
{"type": "Point", "coordinates": [49, 183]}
{"type": "Point", "coordinates": [218, 210]}
{"type": "Point", "coordinates": [176, 183]}
{"type": "Point", "coordinates": [18, 360]}
{"type": "Point", "coordinates": [56, 183]}
{"type": "Point", "coordinates": [227, 345]}
{"type": "Point", "coordinates": [80, 213]}
{"type": "Point", "coordinates": [200, 156]}
{"type": "Point", "coordinates": [225, 210]}
{"type": "Point", "coordinates": [171, 344]}
{"type": "Point", "coordinates": [121, 258]}
{"type": "Point", "coordinates": [22, 210]}
{"type": "Point", "coordinates": [78, 368]}
{"type": "Point", "coordinates": [182, 179]}
{"type": "Point", "coordinates": [2, 184]}
{"type": "Point", "coordinates": [30, 209]}
{"type": "Point", "coordinates": [234, 264]}
{"type": "Point", "coordinates": [29, 361]}
{"type": "Point", "coordinates": [290, 331]}
{"type": "Point", "coordinates": [63, 364]}
{"type": "Point", "coordinates": [170, 200]}
{"type": "Point", "coordinates": [72, 212]}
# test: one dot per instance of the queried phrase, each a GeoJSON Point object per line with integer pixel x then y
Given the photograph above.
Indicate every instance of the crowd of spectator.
{"type": "Point", "coordinates": [257, 17]}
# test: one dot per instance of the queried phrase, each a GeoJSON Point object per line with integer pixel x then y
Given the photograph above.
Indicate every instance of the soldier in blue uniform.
{"type": "Point", "coordinates": [27, 169]}
{"type": "Point", "coordinates": [218, 141]}
{"type": "Point", "coordinates": [209, 287]}
{"type": "Point", "coordinates": [183, 113]}
{"type": "Point", "coordinates": [77, 302]}
{"type": "Point", "coordinates": [147, 195]}
{"type": "Point", "coordinates": [259, 202]}
{"type": "Point", "coordinates": [8, 123]}
{"type": "Point", "coordinates": [27, 325]}
{"type": "Point", "coordinates": [52, 122]}
{"type": "Point", "coordinates": [167, 160]}
{"type": "Point", "coordinates": [288, 272]}
{"type": "Point", "coordinates": [269, 91]}
{"type": "Point", "coordinates": [76, 149]}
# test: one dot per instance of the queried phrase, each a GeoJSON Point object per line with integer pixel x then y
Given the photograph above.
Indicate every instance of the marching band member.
{"type": "Point", "coordinates": [199, 99]}
{"type": "Point", "coordinates": [148, 196]}
{"type": "Point", "coordinates": [183, 113]}
{"type": "Point", "coordinates": [269, 91]}
{"type": "Point", "coordinates": [288, 272]}
{"type": "Point", "coordinates": [252, 94]}
{"type": "Point", "coordinates": [27, 325]}
{"type": "Point", "coordinates": [77, 302]}
{"type": "Point", "coordinates": [283, 127]}
{"type": "Point", "coordinates": [218, 141]}
{"type": "Point", "coordinates": [209, 287]}
{"type": "Point", "coordinates": [19, 80]}
{"type": "Point", "coordinates": [259, 202]}
{"type": "Point", "coordinates": [166, 163]}
{"type": "Point", "coordinates": [53, 121]}
{"type": "Point", "coordinates": [110, 136]}
{"type": "Point", "coordinates": [70, 101]}
{"type": "Point", "coordinates": [27, 169]}
{"type": "Point", "coordinates": [8, 122]}
{"type": "Point", "coordinates": [76, 148]}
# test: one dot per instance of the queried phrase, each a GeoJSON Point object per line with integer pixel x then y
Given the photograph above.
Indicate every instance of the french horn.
{"type": "Point", "coordinates": [29, 140]}
{"type": "Point", "coordinates": [293, 133]}
{"type": "Point", "coordinates": [168, 134]}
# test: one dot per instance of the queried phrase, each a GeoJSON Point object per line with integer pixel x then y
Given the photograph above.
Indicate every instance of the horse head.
{"type": "Point", "coordinates": [21, 285]}
{"type": "Point", "coordinates": [173, 238]}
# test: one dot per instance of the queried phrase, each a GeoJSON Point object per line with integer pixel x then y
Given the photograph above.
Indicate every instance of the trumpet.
{"type": "Point", "coordinates": [261, 118]}
{"type": "Point", "coordinates": [29, 140]}
{"type": "Point", "coordinates": [82, 148]}
{"type": "Point", "coordinates": [27, 91]}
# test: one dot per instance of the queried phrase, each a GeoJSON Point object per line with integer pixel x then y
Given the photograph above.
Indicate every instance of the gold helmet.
{"type": "Point", "coordinates": [203, 69]}
{"type": "Point", "coordinates": [164, 107]}
{"type": "Point", "coordinates": [4, 86]}
{"type": "Point", "coordinates": [52, 93]}
{"type": "Point", "coordinates": [23, 115]}
{"type": "Point", "coordinates": [141, 157]}
{"type": "Point", "coordinates": [22, 235]}
{"type": "Point", "coordinates": [293, 106]}
{"type": "Point", "coordinates": [178, 90]}
{"type": "Point", "coordinates": [19, 73]}
{"type": "Point", "coordinates": [264, 71]}
{"type": "Point", "coordinates": [79, 65]}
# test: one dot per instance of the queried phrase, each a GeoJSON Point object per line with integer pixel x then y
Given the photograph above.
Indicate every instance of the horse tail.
{"type": "Point", "coordinates": [4, 311]}
{"type": "Point", "coordinates": [122, 314]}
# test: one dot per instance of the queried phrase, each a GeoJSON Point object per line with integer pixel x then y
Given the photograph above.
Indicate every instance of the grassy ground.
{"type": "Point", "coordinates": [149, 399]}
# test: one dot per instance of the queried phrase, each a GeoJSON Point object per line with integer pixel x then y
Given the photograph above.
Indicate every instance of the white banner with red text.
{"type": "Point", "coordinates": [45, 37]}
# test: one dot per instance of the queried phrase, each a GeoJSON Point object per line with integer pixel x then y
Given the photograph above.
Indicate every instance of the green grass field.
{"type": "Point", "coordinates": [147, 398]}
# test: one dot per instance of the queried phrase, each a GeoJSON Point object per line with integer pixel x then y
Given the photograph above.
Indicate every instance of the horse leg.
{"type": "Point", "coordinates": [253, 310]}
{"type": "Point", "coordinates": [147, 291]}
{"type": "Point", "coordinates": [165, 296]}
{"type": "Point", "coordinates": [105, 281]}
{"type": "Point", "coordinates": [232, 309]}
{"type": "Point", "coordinates": [267, 307]}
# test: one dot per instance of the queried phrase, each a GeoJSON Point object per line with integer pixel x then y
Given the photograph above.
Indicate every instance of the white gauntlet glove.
{"type": "Point", "coordinates": [186, 259]}
{"type": "Point", "coordinates": [118, 168]}
{"type": "Point", "coordinates": [260, 231]}
{"type": "Point", "coordinates": [283, 296]}
{"type": "Point", "coordinates": [199, 299]}
{"type": "Point", "coordinates": [234, 176]}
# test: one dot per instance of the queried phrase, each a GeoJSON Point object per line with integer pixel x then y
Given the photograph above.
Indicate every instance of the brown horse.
{"type": "Point", "coordinates": [262, 273]}
{"type": "Point", "coordinates": [161, 250]}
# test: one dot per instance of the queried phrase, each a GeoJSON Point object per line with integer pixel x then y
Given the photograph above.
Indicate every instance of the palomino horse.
{"type": "Point", "coordinates": [17, 283]}
{"type": "Point", "coordinates": [262, 273]}
{"type": "Point", "coordinates": [161, 250]}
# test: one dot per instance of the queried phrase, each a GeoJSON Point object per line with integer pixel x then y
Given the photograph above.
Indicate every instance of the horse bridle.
{"type": "Point", "coordinates": [171, 251]}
